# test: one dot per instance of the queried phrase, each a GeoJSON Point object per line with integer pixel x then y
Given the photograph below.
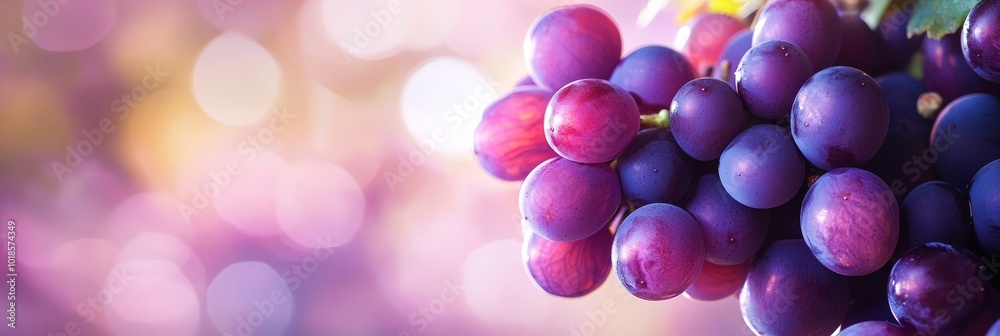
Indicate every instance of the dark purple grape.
{"type": "Point", "coordinates": [965, 137]}
{"type": "Point", "coordinates": [785, 220]}
{"type": "Point", "coordinates": [571, 43]}
{"type": "Point", "coordinates": [934, 212]}
{"type": "Point", "coordinates": [874, 328]}
{"type": "Point", "coordinates": [716, 282]}
{"type": "Point", "coordinates": [653, 74]}
{"type": "Point", "coordinates": [850, 221]}
{"type": "Point", "coordinates": [733, 232]}
{"type": "Point", "coordinates": [761, 167]}
{"type": "Point", "coordinates": [979, 39]}
{"type": "Point", "coordinates": [935, 288]}
{"type": "Point", "coordinates": [653, 169]}
{"type": "Point", "coordinates": [591, 121]}
{"type": "Point", "coordinates": [788, 292]}
{"type": "Point", "coordinates": [899, 47]}
{"type": "Point", "coordinates": [769, 76]}
{"type": "Point", "coordinates": [947, 73]}
{"type": "Point", "coordinates": [995, 330]}
{"type": "Point", "coordinates": [813, 25]}
{"type": "Point", "coordinates": [658, 251]}
{"type": "Point", "coordinates": [568, 269]}
{"type": "Point", "coordinates": [510, 140]}
{"type": "Point", "coordinates": [733, 53]}
{"type": "Point", "coordinates": [907, 138]}
{"type": "Point", "coordinates": [983, 323]}
{"type": "Point", "coordinates": [703, 38]}
{"type": "Point", "coordinates": [840, 118]}
{"type": "Point", "coordinates": [984, 194]}
{"type": "Point", "coordinates": [563, 200]}
{"type": "Point", "coordinates": [869, 300]}
{"type": "Point", "coordinates": [705, 116]}
{"type": "Point", "coordinates": [861, 47]}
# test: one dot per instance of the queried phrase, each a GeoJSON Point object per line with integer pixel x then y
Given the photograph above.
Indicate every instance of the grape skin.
{"type": "Point", "coordinates": [947, 73]}
{"type": "Point", "coordinates": [965, 137]}
{"type": "Point", "coordinates": [850, 221]}
{"type": "Point", "coordinates": [761, 167]}
{"type": "Point", "coordinates": [658, 252]}
{"type": "Point", "coordinates": [653, 169]}
{"type": "Point", "coordinates": [717, 282]}
{"type": "Point", "coordinates": [874, 328]}
{"type": "Point", "coordinates": [702, 40]}
{"type": "Point", "coordinates": [509, 141]}
{"type": "Point", "coordinates": [984, 194]}
{"type": "Point", "coordinates": [571, 43]}
{"type": "Point", "coordinates": [568, 269]}
{"type": "Point", "coordinates": [733, 53]}
{"type": "Point", "coordinates": [733, 232]}
{"type": "Point", "coordinates": [591, 121]}
{"type": "Point", "coordinates": [907, 137]}
{"type": "Point", "coordinates": [859, 44]}
{"type": "Point", "coordinates": [935, 288]}
{"type": "Point", "coordinates": [979, 39]}
{"type": "Point", "coordinates": [840, 118]}
{"type": "Point", "coordinates": [653, 74]}
{"type": "Point", "coordinates": [705, 116]}
{"type": "Point", "coordinates": [935, 211]}
{"type": "Point", "coordinates": [788, 292]}
{"type": "Point", "coordinates": [770, 75]}
{"type": "Point", "coordinates": [565, 201]}
{"type": "Point", "coordinates": [813, 25]}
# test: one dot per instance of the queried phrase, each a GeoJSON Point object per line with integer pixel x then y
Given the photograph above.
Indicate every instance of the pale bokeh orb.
{"type": "Point", "coordinates": [319, 204]}
{"type": "Point", "coordinates": [495, 281]}
{"type": "Point", "coordinates": [236, 81]}
{"type": "Point", "coordinates": [61, 25]}
{"type": "Point", "coordinates": [247, 202]}
{"type": "Point", "coordinates": [249, 298]}
{"type": "Point", "coordinates": [151, 297]}
{"type": "Point", "coordinates": [443, 101]}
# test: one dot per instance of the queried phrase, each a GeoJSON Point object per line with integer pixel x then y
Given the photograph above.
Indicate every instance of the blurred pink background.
{"type": "Point", "coordinates": [281, 167]}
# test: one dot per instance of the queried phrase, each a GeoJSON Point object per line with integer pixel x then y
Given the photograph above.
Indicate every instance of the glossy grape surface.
{"type": "Point", "coordinates": [653, 169]}
{"type": "Point", "coordinates": [571, 43]}
{"type": "Point", "coordinates": [510, 140]}
{"type": "Point", "coordinates": [705, 116]}
{"type": "Point", "coordinates": [563, 200]}
{"type": "Point", "coordinates": [568, 269]}
{"type": "Point", "coordinates": [658, 252]}
{"type": "Point", "coordinates": [591, 121]}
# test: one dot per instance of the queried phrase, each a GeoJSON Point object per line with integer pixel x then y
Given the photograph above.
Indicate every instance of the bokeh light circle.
{"type": "Point", "coordinates": [248, 201]}
{"type": "Point", "coordinates": [319, 204]}
{"type": "Point", "coordinates": [236, 81]}
{"type": "Point", "coordinates": [495, 281]}
{"type": "Point", "coordinates": [62, 25]}
{"type": "Point", "coordinates": [249, 298]}
{"type": "Point", "coordinates": [151, 297]}
{"type": "Point", "coordinates": [443, 101]}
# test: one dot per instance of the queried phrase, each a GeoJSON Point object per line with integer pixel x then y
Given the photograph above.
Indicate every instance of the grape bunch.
{"type": "Point", "coordinates": [760, 156]}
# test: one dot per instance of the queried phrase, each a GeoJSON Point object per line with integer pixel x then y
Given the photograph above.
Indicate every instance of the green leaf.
{"type": "Point", "coordinates": [938, 17]}
{"type": "Point", "coordinates": [874, 12]}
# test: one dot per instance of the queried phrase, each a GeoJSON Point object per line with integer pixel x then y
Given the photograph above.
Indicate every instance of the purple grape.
{"type": "Point", "coordinates": [653, 74]}
{"type": "Point", "coordinates": [769, 76]}
{"type": "Point", "coordinates": [571, 43]}
{"type": "Point", "coordinates": [935, 288]}
{"type": "Point", "coordinates": [703, 38]}
{"type": "Point", "coordinates": [861, 47]}
{"type": "Point", "coordinates": [788, 292]}
{"type": "Point", "coordinates": [813, 25]}
{"type": "Point", "coordinates": [934, 212]}
{"type": "Point", "coordinates": [761, 167]}
{"type": "Point", "coordinates": [510, 140]}
{"type": "Point", "coordinates": [785, 220]}
{"type": "Point", "coordinates": [733, 53]}
{"type": "Point", "coordinates": [705, 116]}
{"type": "Point", "coordinates": [984, 194]}
{"type": "Point", "coordinates": [716, 282]}
{"type": "Point", "coordinates": [658, 252]}
{"type": "Point", "coordinates": [591, 121]}
{"type": "Point", "coordinates": [947, 73]}
{"type": "Point", "coordinates": [965, 137]}
{"type": "Point", "coordinates": [908, 136]}
{"type": "Point", "coordinates": [899, 47]}
{"type": "Point", "coordinates": [840, 118]}
{"type": "Point", "coordinates": [733, 232]}
{"type": "Point", "coordinates": [850, 221]}
{"type": "Point", "coordinates": [995, 330]}
{"type": "Point", "coordinates": [874, 328]}
{"type": "Point", "coordinates": [653, 169]}
{"type": "Point", "coordinates": [563, 200]}
{"type": "Point", "coordinates": [982, 324]}
{"type": "Point", "coordinates": [979, 39]}
{"type": "Point", "coordinates": [568, 269]}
